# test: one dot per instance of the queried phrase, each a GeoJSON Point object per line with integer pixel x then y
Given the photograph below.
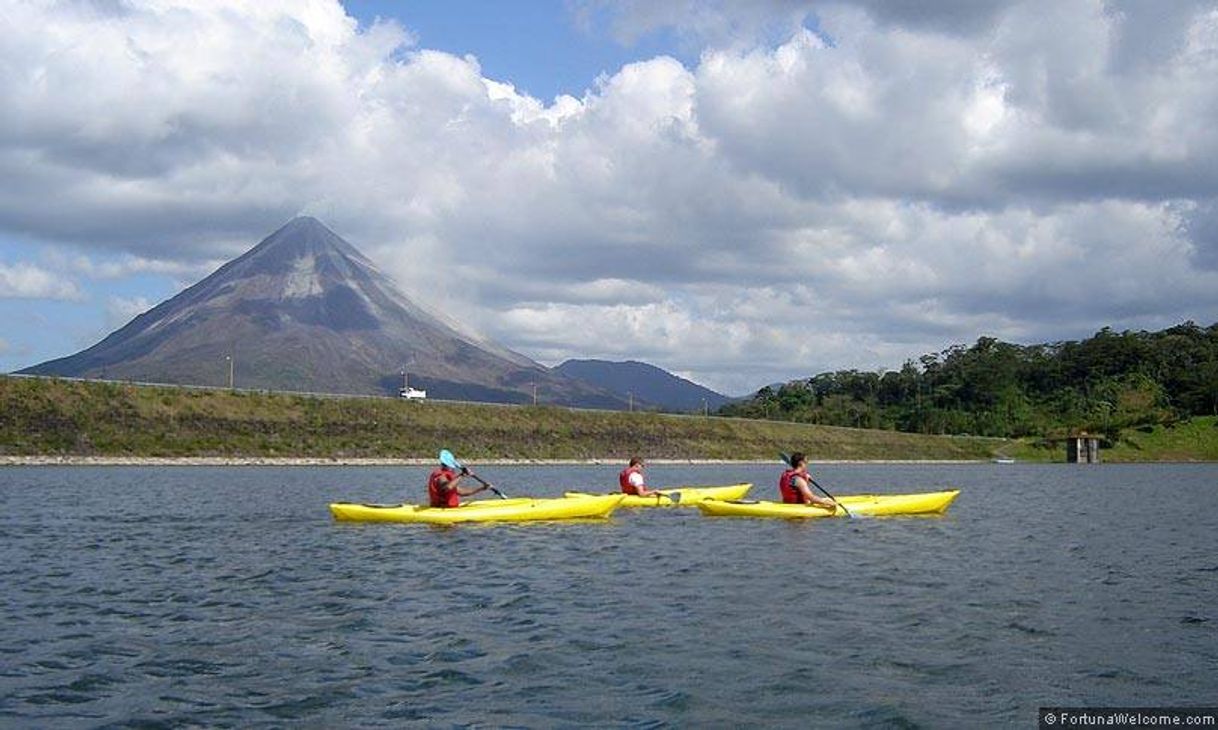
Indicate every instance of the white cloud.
{"type": "Point", "coordinates": [830, 185]}
{"type": "Point", "coordinates": [120, 310]}
{"type": "Point", "coordinates": [126, 265]}
{"type": "Point", "coordinates": [27, 281]}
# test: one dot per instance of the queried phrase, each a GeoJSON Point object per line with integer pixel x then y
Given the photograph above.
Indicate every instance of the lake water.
{"type": "Point", "coordinates": [227, 597]}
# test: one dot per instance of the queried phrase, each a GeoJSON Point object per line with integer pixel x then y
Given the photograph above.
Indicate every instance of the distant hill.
{"type": "Point", "coordinates": [648, 384]}
{"type": "Point", "coordinates": [304, 310]}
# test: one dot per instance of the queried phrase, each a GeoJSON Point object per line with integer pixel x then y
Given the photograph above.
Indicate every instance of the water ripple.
{"type": "Point", "coordinates": [227, 598]}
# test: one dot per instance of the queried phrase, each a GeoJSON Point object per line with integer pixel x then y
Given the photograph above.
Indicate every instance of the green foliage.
{"type": "Point", "coordinates": [1109, 382]}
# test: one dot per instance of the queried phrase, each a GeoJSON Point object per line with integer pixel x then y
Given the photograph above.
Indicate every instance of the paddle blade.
{"type": "Point", "coordinates": [785, 458]}
{"type": "Point", "coordinates": [447, 459]}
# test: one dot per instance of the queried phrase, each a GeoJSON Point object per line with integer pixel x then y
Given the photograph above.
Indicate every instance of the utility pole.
{"type": "Point", "coordinates": [705, 408]}
{"type": "Point", "coordinates": [229, 358]}
{"type": "Point", "coordinates": [534, 393]}
{"type": "Point", "coordinates": [631, 395]}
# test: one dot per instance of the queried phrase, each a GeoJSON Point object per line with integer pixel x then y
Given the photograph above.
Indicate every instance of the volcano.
{"type": "Point", "coordinates": [304, 310]}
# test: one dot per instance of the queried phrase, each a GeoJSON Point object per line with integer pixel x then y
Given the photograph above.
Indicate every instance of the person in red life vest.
{"type": "Point", "coordinates": [794, 487]}
{"type": "Point", "coordinates": [444, 487]}
{"type": "Point", "coordinates": [631, 479]}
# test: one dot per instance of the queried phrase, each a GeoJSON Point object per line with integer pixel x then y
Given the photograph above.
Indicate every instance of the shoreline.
{"type": "Point", "coordinates": [412, 461]}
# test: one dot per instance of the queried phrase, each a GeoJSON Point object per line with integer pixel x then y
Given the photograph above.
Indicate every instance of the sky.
{"type": "Point", "coordinates": [742, 192]}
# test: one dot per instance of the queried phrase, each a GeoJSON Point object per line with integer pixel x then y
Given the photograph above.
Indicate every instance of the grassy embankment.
{"type": "Point", "coordinates": [1194, 439]}
{"type": "Point", "coordinates": [70, 418]}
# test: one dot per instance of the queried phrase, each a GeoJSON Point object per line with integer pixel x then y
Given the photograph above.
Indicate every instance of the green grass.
{"type": "Point", "coordinates": [70, 418]}
{"type": "Point", "coordinates": [1195, 439]}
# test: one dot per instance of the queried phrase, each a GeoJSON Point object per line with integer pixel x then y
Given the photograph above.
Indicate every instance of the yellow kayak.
{"type": "Point", "coordinates": [519, 509]}
{"type": "Point", "coordinates": [677, 496]}
{"type": "Point", "coordinates": [869, 505]}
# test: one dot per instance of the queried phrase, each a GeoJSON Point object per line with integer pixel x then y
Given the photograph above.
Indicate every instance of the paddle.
{"type": "Point", "coordinates": [447, 459]}
{"type": "Point", "coordinates": [674, 497]}
{"type": "Point", "coordinates": [787, 460]}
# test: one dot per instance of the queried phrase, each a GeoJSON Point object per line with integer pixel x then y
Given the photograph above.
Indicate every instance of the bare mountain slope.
{"type": "Point", "coordinates": [304, 310]}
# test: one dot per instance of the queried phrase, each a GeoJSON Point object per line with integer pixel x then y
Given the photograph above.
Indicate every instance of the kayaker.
{"type": "Point", "coordinates": [794, 486]}
{"type": "Point", "coordinates": [444, 487]}
{"type": "Point", "coordinates": [631, 479]}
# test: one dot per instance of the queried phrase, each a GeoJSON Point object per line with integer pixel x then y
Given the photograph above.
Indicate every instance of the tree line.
{"type": "Point", "coordinates": [1110, 381]}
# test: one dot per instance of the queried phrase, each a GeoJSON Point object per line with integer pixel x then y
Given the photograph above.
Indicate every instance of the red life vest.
{"type": "Point", "coordinates": [442, 497]}
{"type": "Point", "coordinates": [790, 494]}
{"type": "Point", "coordinates": [623, 479]}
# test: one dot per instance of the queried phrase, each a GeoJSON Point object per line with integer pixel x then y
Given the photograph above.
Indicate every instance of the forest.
{"type": "Point", "coordinates": [1110, 381]}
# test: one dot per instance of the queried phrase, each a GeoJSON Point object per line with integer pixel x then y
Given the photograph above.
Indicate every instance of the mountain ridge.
{"type": "Point", "coordinates": [645, 383]}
